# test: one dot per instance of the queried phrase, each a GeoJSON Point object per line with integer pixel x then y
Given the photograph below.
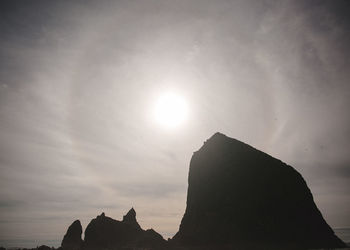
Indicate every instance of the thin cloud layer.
{"type": "Point", "coordinates": [78, 83]}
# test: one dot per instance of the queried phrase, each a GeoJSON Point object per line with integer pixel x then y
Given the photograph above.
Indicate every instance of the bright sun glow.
{"type": "Point", "coordinates": [171, 110]}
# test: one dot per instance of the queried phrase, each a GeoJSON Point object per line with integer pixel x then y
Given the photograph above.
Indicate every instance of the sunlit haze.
{"type": "Point", "coordinates": [102, 104]}
{"type": "Point", "coordinates": [170, 110]}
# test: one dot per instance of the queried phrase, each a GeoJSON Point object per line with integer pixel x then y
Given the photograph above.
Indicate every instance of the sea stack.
{"type": "Point", "coordinates": [72, 239]}
{"type": "Point", "coordinates": [239, 196]}
{"type": "Point", "coordinates": [106, 233]}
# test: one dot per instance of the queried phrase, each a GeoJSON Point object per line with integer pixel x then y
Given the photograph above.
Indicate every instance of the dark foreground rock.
{"type": "Point", "coordinates": [72, 239]}
{"type": "Point", "coordinates": [239, 196]}
{"type": "Point", "coordinates": [106, 233]}
{"type": "Point", "coordinates": [130, 218]}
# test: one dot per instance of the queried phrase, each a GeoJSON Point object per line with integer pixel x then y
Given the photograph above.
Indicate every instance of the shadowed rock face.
{"type": "Point", "coordinates": [106, 233]}
{"type": "Point", "coordinates": [72, 239]}
{"type": "Point", "coordinates": [130, 218]}
{"type": "Point", "coordinates": [238, 195]}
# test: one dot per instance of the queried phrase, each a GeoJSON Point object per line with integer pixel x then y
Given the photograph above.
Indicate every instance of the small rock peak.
{"type": "Point", "coordinates": [130, 218]}
{"type": "Point", "coordinates": [75, 228]}
{"type": "Point", "coordinates": [216, 137]}
{"type": "Point", "coordinates": [72, 239]}
{"type": "Point", "coordinates": [102, 215]}
{"type": "Point", "coordinates": [221, 139]}
{"type": "Point", "coordinates": [76, 222]}
{"type": "Point", "coordinates": [130, 214]}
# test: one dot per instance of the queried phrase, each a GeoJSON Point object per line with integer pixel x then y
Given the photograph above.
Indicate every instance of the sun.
{"type": "Point", "coordinates": [170, 110]}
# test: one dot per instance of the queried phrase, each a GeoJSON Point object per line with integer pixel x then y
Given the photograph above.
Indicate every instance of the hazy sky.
{"type": "Point", "coordinates": [78, 82]}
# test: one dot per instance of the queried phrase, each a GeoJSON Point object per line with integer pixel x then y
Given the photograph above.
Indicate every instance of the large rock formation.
{"type": "Point", "coordinates": [72, 239]}
{"type": "Point", "coordinates": [106, 233]}
{"type": "Point", "coordinates": [240, 196]}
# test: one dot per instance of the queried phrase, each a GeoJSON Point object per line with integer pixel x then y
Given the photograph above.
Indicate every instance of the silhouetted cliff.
{"type": "Point", "coordinates": [240, 196]}
{"type": "Point", "coordinates": [106, 233]}
{"type": "Point", "coordinates": [72, 239]}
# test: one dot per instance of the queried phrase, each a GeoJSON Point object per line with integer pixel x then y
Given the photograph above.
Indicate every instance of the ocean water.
{"type": "Point", "coordinates": [342, 233]}
{"type": "Point", "coordinates": [18, 243]}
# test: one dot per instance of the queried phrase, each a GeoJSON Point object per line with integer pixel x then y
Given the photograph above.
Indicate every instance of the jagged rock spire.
{"type": "Point", "coordinates": [130, 218]}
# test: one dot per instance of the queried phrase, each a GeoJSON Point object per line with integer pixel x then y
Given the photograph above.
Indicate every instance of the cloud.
{"type": "Point", "coordinates": [78, 81]}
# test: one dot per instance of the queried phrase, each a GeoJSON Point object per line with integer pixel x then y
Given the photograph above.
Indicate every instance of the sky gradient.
{"type": "Point", "coordinates": [78, 83]}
